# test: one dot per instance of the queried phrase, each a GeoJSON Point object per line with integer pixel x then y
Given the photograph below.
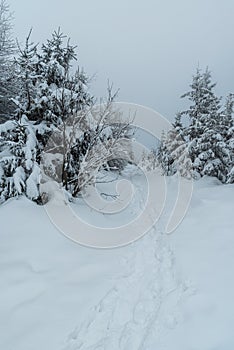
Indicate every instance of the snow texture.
{"type": "Point", "coordinates": [166, 292]}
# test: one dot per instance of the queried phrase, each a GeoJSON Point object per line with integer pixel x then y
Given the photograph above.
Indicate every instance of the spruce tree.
{"type": "Point", "coordinates": [49, 95]}
{"type": "Point", "coordinates": [206, 142]}
{"type": "Point", "coordinates": [164, 156]}
{"type": "Point", "coordinates": [19, 167]}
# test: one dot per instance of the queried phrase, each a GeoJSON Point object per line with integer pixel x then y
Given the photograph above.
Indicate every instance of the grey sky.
{"type": "Point", "coordinates": [149, 49]}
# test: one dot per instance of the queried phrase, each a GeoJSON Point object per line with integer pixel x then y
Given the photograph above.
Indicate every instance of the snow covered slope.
{"type": "Point", "coordinates": [164, 292]}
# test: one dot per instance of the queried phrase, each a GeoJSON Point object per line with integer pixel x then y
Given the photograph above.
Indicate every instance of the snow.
{"type": "Point", "coordinates": [19, 177]}
{"type": "Point", "coordinates": [7, 126]}
{"type": "Point", "coordinates": [32, 182]}
{"type": "Point", "coordinates": [164, 292]}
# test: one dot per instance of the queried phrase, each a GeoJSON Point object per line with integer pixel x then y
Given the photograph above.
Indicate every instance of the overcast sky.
{"type": "Point", "coordinates": [149, 49]}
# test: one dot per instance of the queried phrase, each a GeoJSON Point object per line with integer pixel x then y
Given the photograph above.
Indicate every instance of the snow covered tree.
{"type": "Point", "coordinates": [48, 95]}
{"type": "Point", "coordinates": [173, 154]}
{"type": "Point", "coordinates": [19, 170]}
{"type": "Point", "coordinates": [7, 74]}
{"type": "Point", "coordinates": [205, 145]}
{"type": "Point", "coordinates": [227, 114]}
{"type": "Point", "coordinates": [164, 156]}
{"type": "Point", "coordinates": [63, 93]}
{"type": "Point", "coordinates": [28, 77]}
{"type": "Point", "coordinates": [205, 108]}
{"type": "Point", "coordinates": [177, 124]}
{"type": "Point", "coordinates": [53, 106]}
{"type": "Point", "coordinates": [149, 160]}
{"type": "Point", "coordinates": [205, 133]}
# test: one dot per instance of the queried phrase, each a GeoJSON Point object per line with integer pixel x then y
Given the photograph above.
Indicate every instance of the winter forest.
{"type": "Point", "coordinates": [42, 87]}
{"type": "Point", "coordinates": [79, 168]}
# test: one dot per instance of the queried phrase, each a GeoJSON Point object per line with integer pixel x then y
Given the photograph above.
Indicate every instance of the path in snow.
{"type": "Point", "coordinates": [131, 298]}
{"type": "Point", "coordinates": [142, 306]}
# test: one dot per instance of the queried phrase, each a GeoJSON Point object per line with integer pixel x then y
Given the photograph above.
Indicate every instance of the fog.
{"type": "Point", "coordinates": [148, 49]}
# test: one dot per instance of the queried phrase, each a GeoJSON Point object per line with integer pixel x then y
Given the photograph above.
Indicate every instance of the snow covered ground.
{"type": "Point", "coordinates": [163, 292]}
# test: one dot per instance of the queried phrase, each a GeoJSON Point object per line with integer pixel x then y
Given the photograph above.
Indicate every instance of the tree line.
{"type": "Point", "coordinates": [202, 140]}
{"type": "Point", "coordinates": [49, 120]}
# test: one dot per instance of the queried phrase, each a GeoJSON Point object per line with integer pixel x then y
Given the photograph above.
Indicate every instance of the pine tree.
{"type": "Point", "coordinates": [54, 111]}
{"type": "Point", "coordinates": [18, 163]}
{"type": "Point", "coordinates": [227, 114]}
{"type": "Point", "coordinates": [149, 160]}
{"type": "Point", "coordinates": [206, 142]}
{"type": "Point", "coordinates": [177, 124]}
{"type": "Point", "coordinates": [28, 79]}
{"type": "Point", "coordinates": [49, 95]}
{"type": "Point", "coordinates": [173, 155]}
{"type": "Point", "coordinates": [164, 156]}
{"type": "Point", "coordinates": [64, 93]}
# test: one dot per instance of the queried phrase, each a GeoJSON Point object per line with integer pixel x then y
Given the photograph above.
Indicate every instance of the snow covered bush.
{"type": "Point", "coordinates": [81, 146]}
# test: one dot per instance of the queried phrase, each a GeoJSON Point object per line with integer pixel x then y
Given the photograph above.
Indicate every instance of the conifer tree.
{"type": "Point", "coordinates": [48, 95]}
{"type": "Point", "coordinates": [19, 167]}
{"type": "Point", "coordinates": [164, 156]}
{"type": "Point", "coordinates": [206, 142]}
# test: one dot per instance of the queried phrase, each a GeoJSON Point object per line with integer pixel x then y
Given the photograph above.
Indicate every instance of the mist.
{"type": "Point", "coordinates": [148, 49]}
